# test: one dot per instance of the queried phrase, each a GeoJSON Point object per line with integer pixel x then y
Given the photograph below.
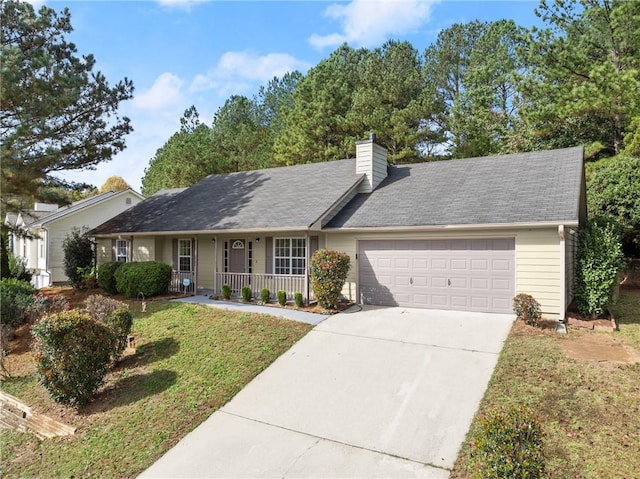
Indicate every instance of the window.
{"type": "Point", "coordinates": [289, 256]}
{"type": "Point", "coordinates": [184, 255]}
{"type": "Point", "coordinates": [122, 251]}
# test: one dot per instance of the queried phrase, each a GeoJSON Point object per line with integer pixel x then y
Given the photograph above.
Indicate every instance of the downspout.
{"type": "Point", "coordinates": [47, 254]}
{"type": "Point", "coordinates": [563, 272]}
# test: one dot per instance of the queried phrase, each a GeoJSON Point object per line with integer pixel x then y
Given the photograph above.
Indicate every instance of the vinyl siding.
{"type": "Point", "coordinates": [537, 259]}
{"type": "Point", "coordinates": [88, 217]}
{"type": "Point", "coordinates": [143, 249]}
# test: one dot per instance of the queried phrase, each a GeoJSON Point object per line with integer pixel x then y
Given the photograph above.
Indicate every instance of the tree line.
{"type": "Point", "coordinates": [481, 88]}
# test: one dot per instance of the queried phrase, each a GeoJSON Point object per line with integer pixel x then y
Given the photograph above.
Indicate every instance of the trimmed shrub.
{"type": "Point", "coordinates": [113, 314]}
{"type": "Point", "coordinates": [150, 278]}
{"type": "Point", "coordinates": [78, 254]}
{"type": "Point", "coordinates": [527, 308]}
{"type": "Point", "coordinates": [329, 271]}
{"type": "Point", "coordinates": [15, 298]}
{"type": "Point", "coordinates": [265, 295]}
{"type": "Point", "coordinates": [72, 353]}
{"type": "Point", "coordinates": [107, 276]}
{"type": "Point", "coordinates": [297, 298]}
{"type": "Point", "coordinates": [282, 297]}
{"type": "Point", "coordinates": [226, 292]}
{"type": "Point", "coordinates": [246, 294]}
{"type": "Point", "coordinates": [508, 445]}
{"type": "Point", "coordinates": [599, 259]}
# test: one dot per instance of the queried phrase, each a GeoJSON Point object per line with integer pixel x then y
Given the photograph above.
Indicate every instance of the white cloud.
{"type": "Point", "coordinates": [164, 93]}
{"type": "Point", "coordinates": [238, 71]}
{"type": "Point", "coordinates": [180, 4]}
{"type": "Point", "coordinates": [366, 23]}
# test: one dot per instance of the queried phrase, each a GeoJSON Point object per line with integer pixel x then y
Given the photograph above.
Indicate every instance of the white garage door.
{"type": "Point", "coordinates": [460, 274]}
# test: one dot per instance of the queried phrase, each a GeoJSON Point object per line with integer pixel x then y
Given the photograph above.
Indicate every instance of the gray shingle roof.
{"type": "Point", "coordinates": [288, 197]}
{"type": "Point", "coordinates": [532, 187]}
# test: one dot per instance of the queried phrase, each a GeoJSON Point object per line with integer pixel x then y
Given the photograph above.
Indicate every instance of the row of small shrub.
{"type": "Point", "coordinates": [150, 278]}
{"type": "Point", "coordinates": [74, 349]}
{"type": "Point", "coordinates": [265, 295]}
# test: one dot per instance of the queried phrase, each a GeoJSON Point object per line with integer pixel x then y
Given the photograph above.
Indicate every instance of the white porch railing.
{"type": "Point", "coordinates": [177, 282]}
{"type": "Point", "coordinates": [274, 282]}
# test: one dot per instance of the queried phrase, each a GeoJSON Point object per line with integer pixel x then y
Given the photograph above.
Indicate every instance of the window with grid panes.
{"type": "Point", "coordinates": [184, 255]}
{"type": "Point", "coordinates": [289, 256]}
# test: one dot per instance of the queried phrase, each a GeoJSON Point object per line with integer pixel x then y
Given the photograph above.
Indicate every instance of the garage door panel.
{"type": "Point", "coordinates": [439, 301]}
{"type": "Point", "coordinates": [458, 264]}
{"type": "Point", "coordinates": [468, 274]}
{"type": "Point", "coordinates": [439, 264]}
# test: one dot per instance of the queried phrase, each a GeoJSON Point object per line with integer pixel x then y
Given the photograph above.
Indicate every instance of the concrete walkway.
{"type": "Point", "coordinates": [293, 314]}
{"type": "Point", "coordinates": [381, 392]}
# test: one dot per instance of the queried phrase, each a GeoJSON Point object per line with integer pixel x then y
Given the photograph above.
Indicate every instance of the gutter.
{"type": "Point", "coordinates": [503, 226]}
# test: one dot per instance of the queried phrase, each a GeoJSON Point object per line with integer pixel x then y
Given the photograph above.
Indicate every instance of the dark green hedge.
{"type": "Point", "coordinates": [150, 278]}
{"type": "Point", "coordinates": [107, 276]}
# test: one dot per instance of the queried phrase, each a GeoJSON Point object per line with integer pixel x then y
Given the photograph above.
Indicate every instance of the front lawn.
{"type": "Point", "coordinates": [588, 398]}
{"type": "Point", "coordinates": [190, 361]}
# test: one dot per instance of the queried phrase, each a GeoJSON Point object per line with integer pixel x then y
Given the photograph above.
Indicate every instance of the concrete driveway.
{"type": "Point", "coordinates": [381, 392]}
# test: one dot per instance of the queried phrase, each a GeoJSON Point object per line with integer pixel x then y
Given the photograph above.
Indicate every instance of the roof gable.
{"type": "Point", "coordinates": [50, 216]}
{"type": "Point", "coordinates": [536, 187]}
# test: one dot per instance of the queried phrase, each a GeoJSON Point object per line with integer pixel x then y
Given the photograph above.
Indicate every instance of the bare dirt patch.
{"type": "Point", "coordinates": [600, 348]}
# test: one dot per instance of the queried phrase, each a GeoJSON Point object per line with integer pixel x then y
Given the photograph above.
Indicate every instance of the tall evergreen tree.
{"type": "Point", "coordinates": [585, 72]}
{"type": "Point", "coordinates": [56, 112]}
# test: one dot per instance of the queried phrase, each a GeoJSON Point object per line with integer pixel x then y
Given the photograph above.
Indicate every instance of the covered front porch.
{"type": "Point", "coordinates": [208, 262]}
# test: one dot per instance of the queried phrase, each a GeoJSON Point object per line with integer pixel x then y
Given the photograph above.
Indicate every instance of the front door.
{"type": "Point", "coordinates": [237, 256]}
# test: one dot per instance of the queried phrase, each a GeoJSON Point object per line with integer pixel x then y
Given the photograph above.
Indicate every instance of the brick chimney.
{"type": "Point", "coordinates": [371, 160]}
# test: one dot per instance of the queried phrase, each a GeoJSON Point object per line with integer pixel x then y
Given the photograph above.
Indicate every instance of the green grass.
{"type": "Point", "coordinates": [190, 361]}
{"type": "Point", "coordinates": [589, 410]}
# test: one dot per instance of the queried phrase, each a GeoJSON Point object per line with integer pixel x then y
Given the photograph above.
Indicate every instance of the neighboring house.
{"type": "Point", "coordinates": [49, 226]}
{"type": "Point", "coordinates": [463, 234]}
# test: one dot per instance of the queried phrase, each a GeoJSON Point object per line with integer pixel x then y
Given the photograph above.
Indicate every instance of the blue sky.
{"type": "Point", "coordinates": [180, 53]}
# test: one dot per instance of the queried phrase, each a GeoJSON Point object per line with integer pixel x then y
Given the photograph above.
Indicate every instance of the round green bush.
{"type": "Point", "coordinates": [107, 276]}
{"type": "Point", "coordinates": [298, 299]}
{"type": "Point", "coordinates": [527, 308]}
{"type": "Point", "coordinates": [246, 294]}
{"type": "Point", "coordinates": [265, 295]}
{"type": "Point", "coordinates": [150, 278]}
{"type": "Point", "coordinates": [282, 297]}
{"type": "Point", "coordinates": [72, 353]}
{"type": "Point", "coordinates": [226, 292]}
{"type": "Point", "coordinates": [508, 445]}
{"type": "Point", "coordinates": [15, 299]}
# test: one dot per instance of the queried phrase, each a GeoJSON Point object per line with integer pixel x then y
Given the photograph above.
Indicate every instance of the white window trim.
{"type": "Point", "coordinates": [190, 255]}
{"type": "Point", "coordinates": [126, 250]}
{"type": "Point", "coordinates": [290, 257]}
